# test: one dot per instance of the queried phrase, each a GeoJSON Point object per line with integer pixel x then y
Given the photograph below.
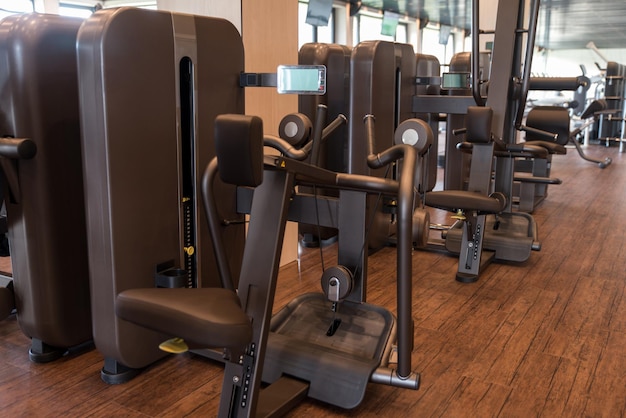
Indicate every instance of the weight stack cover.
{"type": "Point", "coordinates": [151, 84]}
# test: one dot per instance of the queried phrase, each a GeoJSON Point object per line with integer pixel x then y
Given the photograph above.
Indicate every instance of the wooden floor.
{"type": "Point", "coordinates": [545, 338]}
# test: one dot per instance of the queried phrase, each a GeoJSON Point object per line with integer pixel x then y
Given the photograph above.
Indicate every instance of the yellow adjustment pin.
{"type": "Point", "coordinates": [174, 346]}
{"type": "Point", "coordinates": [459, 215]}
{"type": "Point", "coordinates": [189, 250]}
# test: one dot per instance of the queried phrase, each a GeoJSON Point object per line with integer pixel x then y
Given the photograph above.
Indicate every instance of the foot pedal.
{"type": "Point", "coordinates": [174, 346]}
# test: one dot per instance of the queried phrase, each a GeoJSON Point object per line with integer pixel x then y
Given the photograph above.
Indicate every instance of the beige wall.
{"type": "Point", "coordinates": [270, 37]}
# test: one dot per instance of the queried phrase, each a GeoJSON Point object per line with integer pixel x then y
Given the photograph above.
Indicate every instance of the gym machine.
{"type": "Point", "coordinates": [42, 184]}
{"type": "Point", "coordinates": [475, 203]}
{"type": "Point", "coordinates": [150, 89]}
{"type": "Point", "coordinates": [378, 78]}
{"type": "Point", "coordinates": [507, 235]}
{"type": "Point", "coordinates": [540, 116]}
{"type": "Point", "coordinates": [556, 120]}
{"type": "Point", "coordinates": [333, 152]}
{"type": "Point", "coordinates": [137, 234]}
{"type": "Point", "coordinates": [428, 82]}
{"type": "Point", "coordinates": [323, 346]}
{"type": "Point", "coordinates": [612, 119]}
{"type": "Point", "coordinates": [458, 82]}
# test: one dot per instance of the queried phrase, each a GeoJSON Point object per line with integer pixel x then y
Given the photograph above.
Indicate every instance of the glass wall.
{"type": "Point", "coordinates": [431, 44]}
{"type": "Point", "coordinates": [369, 24]}
{"type": "Point", "coordinates": [309, 33]}
{"type": "Point", "coordinates": [9, 7]}
{"type": "Point", "coordinates": [76, 10]}
{"type": "Point", "coordinates": [370, 28]}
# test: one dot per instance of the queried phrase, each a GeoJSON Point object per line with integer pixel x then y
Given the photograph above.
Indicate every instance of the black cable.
{"type": "Point", "coordinates": [317, 224]}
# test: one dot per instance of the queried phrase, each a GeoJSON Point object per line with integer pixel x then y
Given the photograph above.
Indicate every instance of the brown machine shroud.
{"type": "Point", "coordinates": [46, 220]}
{"type": "Point", "coordinates": [129, 62]}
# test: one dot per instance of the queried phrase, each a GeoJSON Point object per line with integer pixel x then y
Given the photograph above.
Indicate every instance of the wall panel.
{"type": "Point", "coordinates": [270, 37]}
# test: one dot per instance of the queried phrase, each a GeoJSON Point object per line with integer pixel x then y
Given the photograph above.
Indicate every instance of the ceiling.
{"type": "Point", "coordinates": [563, 24]}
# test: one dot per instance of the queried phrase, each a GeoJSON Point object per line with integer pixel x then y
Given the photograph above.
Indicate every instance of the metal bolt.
{"type": "Point", "coordinates": [235, 379]}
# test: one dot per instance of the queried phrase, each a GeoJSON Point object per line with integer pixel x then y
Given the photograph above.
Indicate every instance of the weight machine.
{"type": "Point", "coordinates": [326, 347]}
{"type": "Point", "coordinates": [43, 184]}
{"type": "Point", "coordinates": [507, 235]}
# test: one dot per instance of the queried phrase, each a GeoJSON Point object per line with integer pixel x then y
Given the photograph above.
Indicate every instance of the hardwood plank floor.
{"type": "Point", "coordinates": [542, 338]}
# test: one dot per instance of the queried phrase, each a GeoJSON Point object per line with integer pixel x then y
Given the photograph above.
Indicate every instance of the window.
{"type": "Point", "coordinates": [370, 28]}
{"type": "Point", "coordinates": [402, 33]}
{"type": "Point", "coordinates": [366, 24]}
{"type": "Point", "coordinates": [10, 7]}
{"type": "Point", "coordinates": [75, 10]}
{"type": "Point", "coordinates": [308, 33]}
{"type": "Point", "coordinates": [431, 45]}
{"type": "Point", "coordinates": [142, 4]}
{"type": "Point", "coordinates": [85, 8]}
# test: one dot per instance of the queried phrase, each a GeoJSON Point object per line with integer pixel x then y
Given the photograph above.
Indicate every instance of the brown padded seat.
{"type": "Point", "coordinates": [462, 199]}
{"type": "Point", "coordinates": [551, 147]}
{"type": "Point", "coordinates": [206, 317]}
{"type": "Point", "coordinates": [552, 119]}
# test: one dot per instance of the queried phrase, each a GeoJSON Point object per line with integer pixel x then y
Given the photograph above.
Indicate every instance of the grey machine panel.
{"type": "Point", "coordinates": [46, 221]}
{"type": "Point", "coordinates": [382, 83]}
{"type": "Point", "coordinates": [428, 71]}
{"type": "Point", "coordinates": [333, 152]}
{"type": "Point", "coordinates": [336, 58]}
{"type": "Point", "coordinates": [151, 85]}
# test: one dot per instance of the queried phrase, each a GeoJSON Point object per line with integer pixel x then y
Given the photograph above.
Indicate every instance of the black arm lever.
{"type": "Point", "coordinates": [14, 149]}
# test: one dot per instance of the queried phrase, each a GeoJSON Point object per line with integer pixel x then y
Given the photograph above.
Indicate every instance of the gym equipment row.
{"type": "Point", "coordinates": [516, 235]}
{"type": "Point", "coordinates": [507, 235]}
{"type": "Point", "coordinates": [262, 264]}
{"type": "Point", "coordinates": [431, 98]}
{"type": "Point", "coordinates": [144, 227]}
{"type": "Point", "coordinates": [391, 81]}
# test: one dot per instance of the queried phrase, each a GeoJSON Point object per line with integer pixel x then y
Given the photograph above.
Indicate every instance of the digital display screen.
{"type": "Point", "coordinates": [455, 81]}
{"type": "Point", "coordinates": [301, 79]}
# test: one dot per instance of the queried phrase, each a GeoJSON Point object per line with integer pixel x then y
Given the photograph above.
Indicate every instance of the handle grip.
{"type": "Point", "coordinates": [17, 148]}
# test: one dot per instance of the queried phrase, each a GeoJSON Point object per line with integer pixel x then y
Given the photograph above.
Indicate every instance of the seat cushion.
{"type": "Point", "coordinates": [205, 317]}
{"type": "Point", "coordinates": [552, 147]}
